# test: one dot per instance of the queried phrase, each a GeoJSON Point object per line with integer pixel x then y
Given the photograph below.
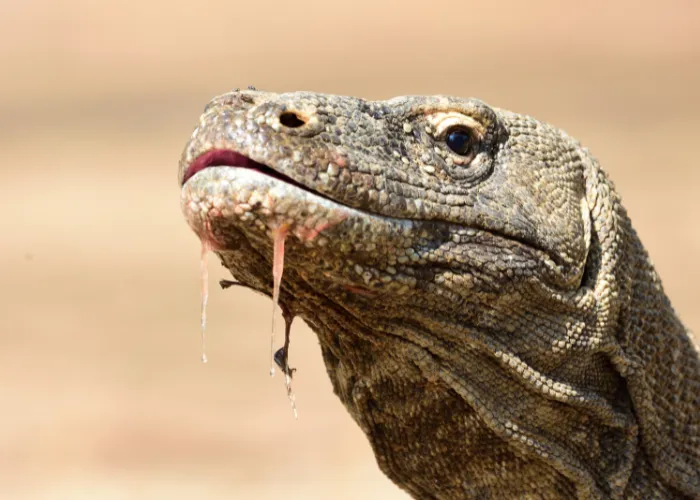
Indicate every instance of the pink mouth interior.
{"type": "Point", "coordinates": [229, 158]}
{"type": "Point", "coordinates": [221, 158]}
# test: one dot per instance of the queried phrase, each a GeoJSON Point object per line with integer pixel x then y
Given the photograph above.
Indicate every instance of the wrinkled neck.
{"type": "Point", "coordinates": [662, 369]}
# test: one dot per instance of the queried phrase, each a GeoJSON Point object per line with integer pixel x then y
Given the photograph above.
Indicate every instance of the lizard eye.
{"type": "Point", "coordinates": [460, 140]}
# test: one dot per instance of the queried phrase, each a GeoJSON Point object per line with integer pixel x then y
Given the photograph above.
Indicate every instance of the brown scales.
{"type": "Point", "coordinates": [486, 312]}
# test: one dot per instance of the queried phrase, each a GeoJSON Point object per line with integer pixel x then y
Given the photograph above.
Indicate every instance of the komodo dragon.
{"type": "Point", "coordinates": [486, 312]}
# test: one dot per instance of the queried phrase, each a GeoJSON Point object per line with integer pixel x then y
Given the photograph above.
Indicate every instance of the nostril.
{"type": "Point", "coordinates": [292, 120]}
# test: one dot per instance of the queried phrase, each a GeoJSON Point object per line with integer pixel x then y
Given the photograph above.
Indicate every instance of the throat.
{"type": "Point", "coordinates": [427, 438]}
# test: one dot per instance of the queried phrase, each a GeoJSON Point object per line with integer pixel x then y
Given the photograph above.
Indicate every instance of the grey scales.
{"type": "Point", "coordinates": [486, 312]}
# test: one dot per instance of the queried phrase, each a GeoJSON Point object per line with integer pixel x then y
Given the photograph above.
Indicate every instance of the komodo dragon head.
{"type": "Point", "coordinates": [485, 310]}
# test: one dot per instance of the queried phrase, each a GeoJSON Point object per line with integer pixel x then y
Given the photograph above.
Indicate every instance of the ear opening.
{"type": "Point", "coordinates": [593, 253]}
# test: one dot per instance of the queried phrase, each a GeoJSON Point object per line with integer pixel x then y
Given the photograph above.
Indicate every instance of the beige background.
{"type": "Point", "coordinates": [102, 394]}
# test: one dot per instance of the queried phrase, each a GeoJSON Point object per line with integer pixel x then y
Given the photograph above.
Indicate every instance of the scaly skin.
{"type": "Point", "coordinates": [489, 319]}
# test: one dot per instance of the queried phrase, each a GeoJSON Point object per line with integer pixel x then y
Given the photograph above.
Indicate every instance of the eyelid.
{"type": "Point", "coordinates": [442, 122]}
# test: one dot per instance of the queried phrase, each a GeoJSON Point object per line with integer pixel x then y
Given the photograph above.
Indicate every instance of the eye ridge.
{"type": "Point", "coordinates": [460, 140]}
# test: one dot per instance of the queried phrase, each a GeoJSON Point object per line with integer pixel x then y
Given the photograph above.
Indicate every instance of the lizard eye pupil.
{"type": "Point", "coordinates": [459, 140]}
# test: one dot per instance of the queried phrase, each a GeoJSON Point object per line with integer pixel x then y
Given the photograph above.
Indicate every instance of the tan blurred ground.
{"type": "Point", "coordinates": [101, 391]}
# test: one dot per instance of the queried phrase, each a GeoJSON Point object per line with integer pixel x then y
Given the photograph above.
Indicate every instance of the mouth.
{"type": "Point", "coordinates": [223, 190]}
{"type": "Point", "coordinates": [233, 159]}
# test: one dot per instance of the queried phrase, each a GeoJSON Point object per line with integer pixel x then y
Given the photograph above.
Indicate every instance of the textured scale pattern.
{"type": "Point", "coordinates": [491, 321]}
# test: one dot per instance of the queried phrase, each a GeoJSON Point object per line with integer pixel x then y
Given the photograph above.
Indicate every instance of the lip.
{"type": "Point", "coordinates": [233, 159]}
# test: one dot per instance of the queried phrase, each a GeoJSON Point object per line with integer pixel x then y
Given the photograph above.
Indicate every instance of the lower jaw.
{"type": "Point", "coordinates": [222, 196]}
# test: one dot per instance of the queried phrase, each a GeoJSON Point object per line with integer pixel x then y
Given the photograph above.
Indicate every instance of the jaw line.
{"type": "Point", "coordinates": [220, 195]}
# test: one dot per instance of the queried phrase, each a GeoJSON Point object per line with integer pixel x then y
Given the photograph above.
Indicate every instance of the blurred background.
{"type": "Point", "coordinates": [102, 394]}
